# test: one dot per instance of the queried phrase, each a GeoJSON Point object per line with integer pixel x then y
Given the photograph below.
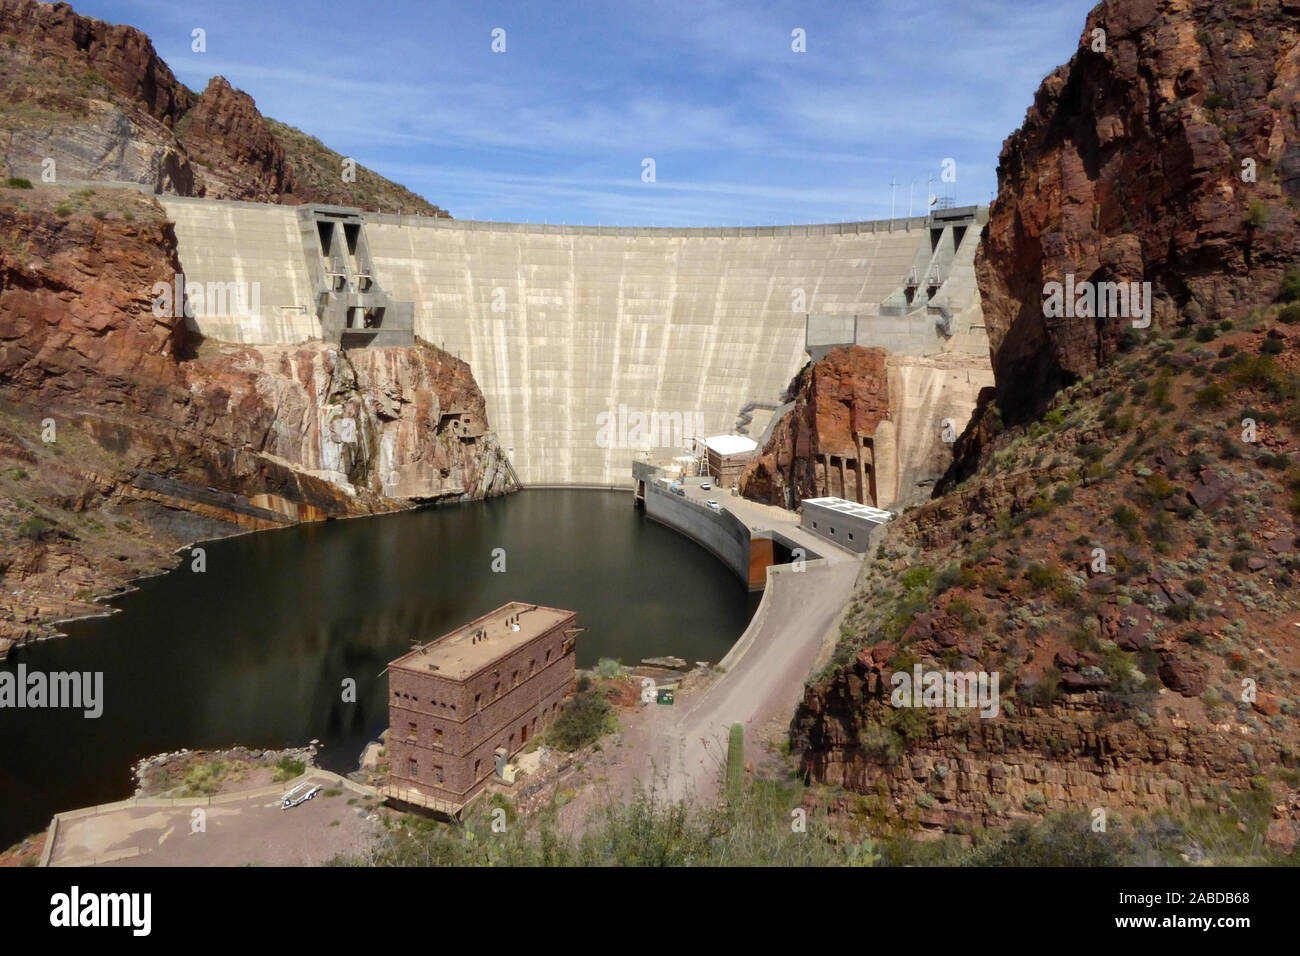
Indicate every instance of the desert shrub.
{"type": "Point", "coordinates": [18, 182]}
{"type": "Point", "coordinates": [1205, 333]}
{"type": "Point", "coordinates": [1271, 347]}
{"type": "Point", "coordinates": [1290, 289]}
{"type": "Point", "coordinates": [608, 668]}
{"type": "Point", "coordinates": [1125, 517]}
{"type": "Point", "coordinates": [1290, 314]}
{"type": "Point", "coordinates": [287, 769]}
{"type": "Point", "coordinates": [584, 719]}
{"type": "Point", "coordinates": [34, 529]}
{"type": "Point", "coordinates": [1212, 396]}
{"type": "Point", "coordinates": [918, 577]}
{"type": "Point", "coordinates": [1042, 576]}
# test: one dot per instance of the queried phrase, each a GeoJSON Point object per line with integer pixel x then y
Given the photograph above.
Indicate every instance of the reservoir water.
{"type": "Point", "coordinates": [255, 650]}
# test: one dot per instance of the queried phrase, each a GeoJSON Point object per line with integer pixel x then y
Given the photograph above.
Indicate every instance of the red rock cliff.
{"type": "Point", "coordinates": [1133, 164]}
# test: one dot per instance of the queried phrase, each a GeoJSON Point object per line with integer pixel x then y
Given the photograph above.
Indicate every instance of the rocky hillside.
{"type": "Point", "coordinates": [1116, 542]}
{"type": "Point", "coordinates": [1171, 157]}
{"type": "Point", "coordinates": [97, 99]}
{"type": "Point", "coordinates": [121, 439]}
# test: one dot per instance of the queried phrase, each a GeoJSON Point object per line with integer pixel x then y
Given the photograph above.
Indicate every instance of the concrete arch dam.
{"type": "Point", "coordinates": [574, 333]}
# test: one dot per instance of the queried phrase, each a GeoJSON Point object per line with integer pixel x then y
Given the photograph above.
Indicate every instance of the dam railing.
{"type": "Point", "coordinates": [864, 227]}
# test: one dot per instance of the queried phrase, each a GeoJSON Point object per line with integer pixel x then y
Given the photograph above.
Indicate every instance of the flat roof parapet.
{"type": "Point", "coordinates": [844, 506]}
{"type": "Point", "coordinates": [468, 649]}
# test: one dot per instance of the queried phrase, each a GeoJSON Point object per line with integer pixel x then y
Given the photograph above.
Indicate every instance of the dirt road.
{"type": "Point", "coordinates": [680, 751]}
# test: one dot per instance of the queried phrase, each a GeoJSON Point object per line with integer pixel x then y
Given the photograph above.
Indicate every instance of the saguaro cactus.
{"type": "Point", "coordinates": [735, 765]}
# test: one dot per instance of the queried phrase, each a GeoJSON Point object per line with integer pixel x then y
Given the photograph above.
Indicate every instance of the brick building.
{"type": "Point", "coordinates": [460, 705]}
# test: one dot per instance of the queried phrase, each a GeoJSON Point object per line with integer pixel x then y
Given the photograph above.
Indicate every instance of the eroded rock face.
{"type": "Point", "coordinates": [1131, 165]}
{"type": "Point", "coordinates": [228, 139]}
{"type": "Point", "coordinates": [992, 773]}
{"type": "Point", "coordinates": [844, 395]}
{"type": "Point", "coordinates": [78, 336]}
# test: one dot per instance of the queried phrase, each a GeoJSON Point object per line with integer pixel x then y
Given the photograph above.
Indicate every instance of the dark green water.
{"type": "Point", "coordinates": [255, 650]}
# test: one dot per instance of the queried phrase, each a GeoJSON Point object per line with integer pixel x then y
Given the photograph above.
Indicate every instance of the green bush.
{"type": "Point", "coordinates": [920, 577]}
{"type": "Point", "coordinates": [1290, 314]}
{"type": "Point", "coordinates": [1212, 396]}
{"type": "Point", "coordinates": [287, 769]}
{"type": "Point", "coordinates": [585, 719]}
{"type": "Point", "coordinates": [1290, 290]}
{"type": "Point", "coordinates": [34, 529]}
{"type": "Point", "coordinates": [1271, 347]}
{"type": "Point", "coordinates": [17, 182]}
{"type": "Point", "coordinates": [607, 668]}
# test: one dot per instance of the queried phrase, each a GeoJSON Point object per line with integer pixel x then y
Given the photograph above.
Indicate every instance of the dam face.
{"type": "Point", "coordinates": [572, 330]}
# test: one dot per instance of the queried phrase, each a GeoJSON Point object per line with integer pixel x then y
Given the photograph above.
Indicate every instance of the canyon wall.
{"type": "Point", "coordinates": [1171, 156]}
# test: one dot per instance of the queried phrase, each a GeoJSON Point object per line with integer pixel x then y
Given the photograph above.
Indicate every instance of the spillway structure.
{"type": "Point", "coordinates": [598, 346]}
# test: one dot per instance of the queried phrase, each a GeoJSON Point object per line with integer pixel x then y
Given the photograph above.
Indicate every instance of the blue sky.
{"type": "Point", "coordinates": [742, 129]}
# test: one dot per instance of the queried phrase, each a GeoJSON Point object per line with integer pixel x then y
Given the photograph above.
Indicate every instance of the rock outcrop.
{"type": "Point", "coordinates": [843, 396]}
{"type": "Point", "coordinates": [97, 100]}
{"type": "Point", "coordinates": [1168, 154]}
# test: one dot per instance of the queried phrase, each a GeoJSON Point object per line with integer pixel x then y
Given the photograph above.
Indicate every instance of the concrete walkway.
{"type": "Point", "coordinates": [240, 827]}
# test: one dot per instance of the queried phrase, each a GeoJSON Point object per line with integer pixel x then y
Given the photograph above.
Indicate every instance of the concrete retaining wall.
{"type": "Point", "coordinates": [719, 531]}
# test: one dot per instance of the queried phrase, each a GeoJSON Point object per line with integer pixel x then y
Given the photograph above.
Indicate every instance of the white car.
{"type": "Point", "coordinates": [712, 504]}
{"type": "Point", "coordinates": [705, 486]}
{"type": "Point", "coordinates": [299, 794]}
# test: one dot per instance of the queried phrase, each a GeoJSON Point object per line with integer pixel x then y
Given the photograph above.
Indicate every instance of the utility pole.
{"type": "Point", "coordinates": [892, 184]}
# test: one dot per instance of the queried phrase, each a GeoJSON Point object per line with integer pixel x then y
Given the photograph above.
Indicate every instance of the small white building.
{"type": "Point", "coordinates": [727, 457]}
{"type": "Point", "coordinates": [844, 522]}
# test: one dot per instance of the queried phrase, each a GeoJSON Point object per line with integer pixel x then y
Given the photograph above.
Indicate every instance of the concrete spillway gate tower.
{"type": "Point", "coordinates": [353, 308]}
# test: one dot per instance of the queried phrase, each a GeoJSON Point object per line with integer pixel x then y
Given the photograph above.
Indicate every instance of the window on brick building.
{"type": "Point", "coordinates": [478, 702]}
{"type": "Point", "coordinates": [415, 769]}
{"type": "Point", "coordinates": [532, 668]}
{"type": "Point", "coordinates": [514, 679]}
{"type": "Point", "coordinates": [437, 774]}
{"type": "Point", "coordinates": [410, 729]}
{"type": "Point", "coordinates": [548, 655]}
{"type": "Point", "coordinates": [496, 690]}
{"type": "Point", "coordinates": [437, 737]}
